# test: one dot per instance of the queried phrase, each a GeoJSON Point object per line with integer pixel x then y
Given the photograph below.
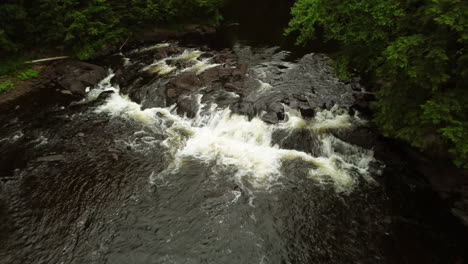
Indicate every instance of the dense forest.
{"type": "Point", "coordinates": [413, 52]}
{"type": "Point", "coordinates": [84, 27]}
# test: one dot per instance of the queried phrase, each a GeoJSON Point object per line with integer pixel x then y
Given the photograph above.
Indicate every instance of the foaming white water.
{"type": "Point", "coordinates": [160, 67]}
{"type": "Point", "coordinates": [14, 137]}
{"type": "Point", "coordinates": [103, 86]}
{"type": "Point", "coordinates": [201, 65]}
{"type": "Point", "coordinates": [264, 87]}
{"type": "Point", "coordinates": [245, 147]}
{"type": "Point", "coordinates": [40, 141]}
{"type": "Point", "coordinates": [190, 57]}
{"type": "Point", "coordinates": [335, 118]}
{"type": "Point", "coordinates": [122, 106]}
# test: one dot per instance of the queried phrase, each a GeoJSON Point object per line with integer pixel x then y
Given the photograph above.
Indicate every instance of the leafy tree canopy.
{"type": "Point", "coordinates": [415, 50]}
{"type": "Point", "coordinates": [85, 26]}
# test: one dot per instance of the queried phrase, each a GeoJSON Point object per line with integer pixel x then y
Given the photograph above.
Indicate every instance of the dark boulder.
{"type": "Point", "coordinates": [185, 81]}
{"type": "Point", "coordinates": [75, 76]}
{"type": "Point", "coordinates": [182, 84]}
{"type": "Point", "coordinates": [270, 117]}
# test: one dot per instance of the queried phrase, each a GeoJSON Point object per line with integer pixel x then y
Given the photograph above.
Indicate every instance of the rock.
{"type": "Point", "coordinates": [77, 87]}
{"type": "Point", "coordinates": [232, 87]}
{"type": "Point", "coordinates": [171, 93]}
{"type": "Point", "coordinates": [300, 97]}
{"type": "Point", "coordinates": [81, 134]}
{"type": "Point", "coordinates": [185, 81]}
{"type": "Point", "coordinates": [276, 107]}
{"type": "Point", "coordinates": [224, 72]}
{"type": "Point", "coordinates": [104, 95]}
{"type": "Point", "coordinates": [66, 92]}
{"type": "Point", "coordinates": [307, 112]}
{"type": "Point", "coordinates": [51, 158]}
{"type": "Point", "coordinates": [243, 67]}
{"type": "Point", "coordinates": [99, 121]}
{"type": "Point", "coordinates": [75, 76]}
{"type": "Point", "coordinates": [270, 117]}
{"type": "Point", "coordinates": [181, 84]}
{"type": "Point", "coordinates": [93, 77]}
{"type": "Point", "coordinates": [463, 216]}
{"type": "Point", "coordinates": [209, 75]}
{"type": "Point", "coordinates": [113, 150]}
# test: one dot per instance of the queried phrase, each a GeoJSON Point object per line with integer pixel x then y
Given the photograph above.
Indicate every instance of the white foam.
{"type": "Point", "coordinates": [195, 65]}
{"type": "Point", "coordinates": [335, 118]}
{"type": "Point", "coordinates": [40, 141]}
{"type": "Point", "coordinates": [160, 67]}
{"type": "Point", "coordinates": [264, 87]}
{"type": "Point", "coordinates": [188, 55]}
{"type": "Point", "coordinates": [200, 66]}
{"type": "Point", "coordinates": [103, 86]}
{"type": "Point", "coordinates": [14, 137]}
{"type": "Point", "coordinates": [233, 142]}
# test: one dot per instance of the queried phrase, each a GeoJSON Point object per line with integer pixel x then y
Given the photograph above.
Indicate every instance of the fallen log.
{"type": "Point", "coordinates": [48, 59]}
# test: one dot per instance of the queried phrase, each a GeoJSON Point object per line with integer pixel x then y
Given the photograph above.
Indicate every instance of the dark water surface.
{"type": "Point", "coordinates": [255, 164]}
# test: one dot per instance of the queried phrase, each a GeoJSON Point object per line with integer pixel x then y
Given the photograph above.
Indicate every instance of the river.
{"type": "Point", "coordinates": [231, 152]}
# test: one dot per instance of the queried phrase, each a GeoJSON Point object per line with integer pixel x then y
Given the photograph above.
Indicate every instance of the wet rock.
{"type": "Point", "coordinates": [209, 75]}
{"type": "Point", "coordinates": [100, 121]}
{"type": "Point", "coordinates": [182, 84]}
{"type": "Point", "coordinates": [224, 72]}
{"type": "Point", "coordinates": [77, 87]}
{"type": "Point", "coordinates": [276, 107]}
{"type": "Point", "coordinates": [232, 86]}
{"type": "Point", "coordinates": [270, 117]}
{"type": "Point", "coordinates": [244, 108]}
{"type": "Point", "coordinates": [171, 93]}
{"type": "Point", "coordinates": [51, 158]}
{"type": "Point", "coordinates": [75, 76]}
{"type": "Point", "coordinates": [185, 81]}
{"type": "Point", "coordinates": [363, 100]}
{"type": "Point", "coordinates": [113, 150]}
{"type": "Point", "coordinates": [307, 112]}
{"type": "Point", "coordinates": [243, 67]}
{"type": "Point", "coordinates": [66, 92]}
{"type": "Point", "coordinates": [301, 97]}
{"type": "Point", "coordinates": [104, 95]}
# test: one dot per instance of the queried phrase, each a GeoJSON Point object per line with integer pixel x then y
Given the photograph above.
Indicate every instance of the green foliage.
{"type": "Point", "coordinates": [12, 65]}
{"type": "Point", "coordinates": [85, 27]}
{"type": "Point", "coordinates": [415, 50]}
{"type": "Point", "coordinates": [27, 74]}
{"type": "Point", "coordinates": [6, 85]}
{"type": "Point", "coordinates": [91, 28]}
{"type": "Point", "coordinates": [13, 20]}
